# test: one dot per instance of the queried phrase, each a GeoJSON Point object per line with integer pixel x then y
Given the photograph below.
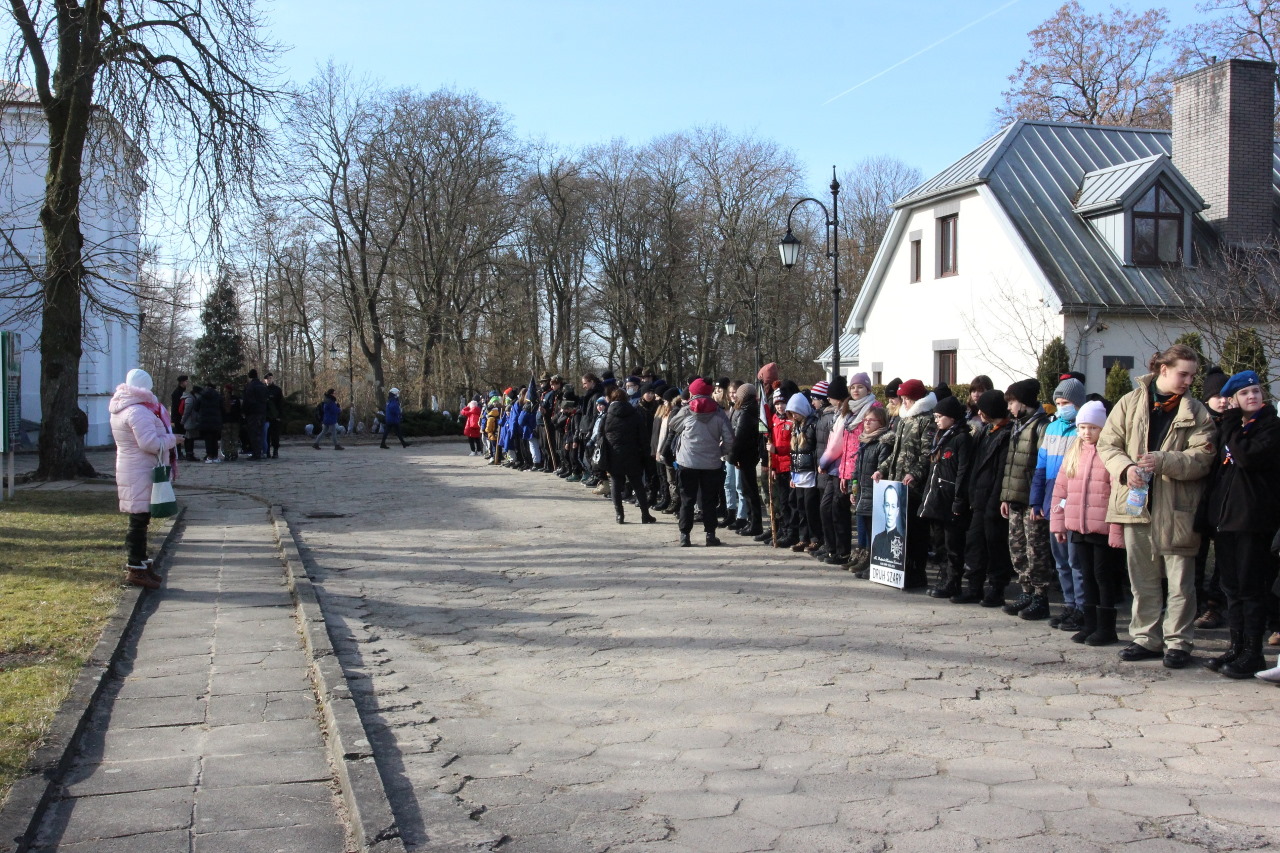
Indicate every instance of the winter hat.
{"type": "Point", "coordinates": [1213, 382]}
{"type": "Point", "coordinates": [723, 383]}
{"type": "Point", "coordinates": [1092, 412]}
{"type": "Point", "coordinates": [1071, 389]}
{"type": "Point", "coordinates": [942, 390]}
{"type": "Point", "coordinates": [860, 379]}
{"type": "Point", "coordinates": [670, 394]}
{"type": "Point", "coordinates": [838, 389]}
{"type": "Point", "coordinates": [789, 389]}
{"type": "Point", "coordinates": [819, 389]}
{"type": "Point", "coordinates": [993, 405]}
{"type": "Point", "coordinates": [1072, 374]}
{"type": "Point", "coordinates": [700, 387]}
{"type": "Point", "coordinates": [912, 389]}
{"type": "Point", "coordinates": [633, 380]}
{"type": "Point", "coordinates": [1240, 381]}
{"type": "Point", "coordinates": [799, 404]}
{"type": "Point", "coordinates": [608, 378]}
{"type": "Point", "coordinates": [769, 373]}
{"type": "Point", "coordinates": [568, 405]}
{"type": "Point", "coordinates": [1025, 391]}
{"type": "Point", "coordinates": [138, 378]}
{"type": "Point", "coordinates": [778, 396]}
{"type": "Point", "coordinates": [395, 391]}
{"type": "Point", "coordinates": [891, 390]}
{"type": "Point", "coordinates": [951, 407]}
{"type": "Point", "coordinates": [602, 401]}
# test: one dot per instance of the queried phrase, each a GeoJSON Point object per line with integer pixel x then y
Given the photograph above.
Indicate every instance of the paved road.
{"type": "Point", "coordinates": [572, 685]}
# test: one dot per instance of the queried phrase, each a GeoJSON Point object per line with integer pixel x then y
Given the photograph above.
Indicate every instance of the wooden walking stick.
{"type": "Point", "coordinates": [773, 519]}
{"type": "Point", "coordinates": [551, 445]}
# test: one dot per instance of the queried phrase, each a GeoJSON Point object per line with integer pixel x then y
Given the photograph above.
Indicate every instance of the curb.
{"type": "Point", "coordinates": [22, 813]}
{"type": "Point", "coordinates": [372, 820]}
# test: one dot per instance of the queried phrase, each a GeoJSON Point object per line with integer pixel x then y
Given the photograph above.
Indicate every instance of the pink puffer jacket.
{"type": "Point", "coordinates": [141, 436]}
{"type": "Point", "coordinates": [1080, 502]}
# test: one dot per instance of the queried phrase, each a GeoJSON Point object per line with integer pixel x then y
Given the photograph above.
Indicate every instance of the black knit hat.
{"type": "Point", "coordinates": [838, 389]}
{"type": "Point", "coordinates": [942, 391]}
{"type": "Point", "coordinates": [993, 405]}
{"type": "Point", "coordinates": [670, 394]}
{"type": "Point", "coordinates": [891, 390]}
{"type": "Point", "coordinates": [951, 407]}
{"type": "Point", "coordinates": [1026, 391]}
{"type": "Point", "coordinates": [1213, 382]}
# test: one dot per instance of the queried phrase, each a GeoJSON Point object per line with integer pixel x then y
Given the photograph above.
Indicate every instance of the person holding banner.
{"type": "Point", "coordinates": [144, 438]}
{"type": "Point", "coordinates": [908, 464]}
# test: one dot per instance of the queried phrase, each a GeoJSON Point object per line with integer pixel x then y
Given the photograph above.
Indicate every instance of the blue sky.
{"type": "Point", "coordinates": [579, 72]}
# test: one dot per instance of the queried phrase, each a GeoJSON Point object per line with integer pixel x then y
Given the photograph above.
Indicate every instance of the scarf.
{"type": "Point", "coordinates": [1166, 406]}
{"type": "Point", "coordinates": [163, 414]}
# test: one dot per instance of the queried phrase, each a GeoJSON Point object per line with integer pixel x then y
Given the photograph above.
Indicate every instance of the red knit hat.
{"type": "Point", "coordinates": [701, 387]}
{"type": "Point", "coordinates": [912, 389]}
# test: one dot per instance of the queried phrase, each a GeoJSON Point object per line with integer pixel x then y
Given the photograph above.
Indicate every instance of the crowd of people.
{"type": "Point", "coordinates": [230, 422]}
{"type": "Point", "coordinates": [1100, 499]}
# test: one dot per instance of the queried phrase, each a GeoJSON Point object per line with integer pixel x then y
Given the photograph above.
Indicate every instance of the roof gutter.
{"type": "Point", "coordinates": [939, 195]}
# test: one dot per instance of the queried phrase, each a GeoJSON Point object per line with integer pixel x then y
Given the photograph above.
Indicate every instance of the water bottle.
{"type": "Point", "coordinates": [1137, 501]}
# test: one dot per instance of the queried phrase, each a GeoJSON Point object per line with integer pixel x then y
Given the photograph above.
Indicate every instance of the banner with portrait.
{"type": "Point", "coordinates": [889, 533]}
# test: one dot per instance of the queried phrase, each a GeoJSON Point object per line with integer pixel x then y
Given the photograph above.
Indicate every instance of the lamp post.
{"type": "Point", "coordinates": [789, 249]}
{"type": "Point", "coordinates": [351, 380]}
{"type": "Point", "coordinates": [731, 327]}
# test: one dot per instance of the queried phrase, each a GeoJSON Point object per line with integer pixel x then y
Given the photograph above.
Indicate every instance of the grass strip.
{"type": "Point", "coordinates": [61, 559]}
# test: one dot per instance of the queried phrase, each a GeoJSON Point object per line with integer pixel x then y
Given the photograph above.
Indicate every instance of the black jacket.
{"type": "Point", "coordinates": [209, 409]}
{"type": "Point", "coordinates": [1244, 495]}
{"type": "Point", "coordinates": [587, 412]}
{"type": "Point", "coordinates": [626, 437]}
{"type": "Point", "coordinates": [947, 494]}
{"type": "Point", "coordinates": [275, 402]}
{"type": "Point", "coordinates": [254, 400]}
{"type": "Point", "coordinates": [746, 435]}
{"type": "Point", "coordinates": [872, 452]}
{"type": "Point", "coordinates": [986, 471]}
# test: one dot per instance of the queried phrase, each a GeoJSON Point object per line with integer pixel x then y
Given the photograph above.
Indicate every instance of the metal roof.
{"type": "Point", "coordinates": [849, 346]}
{"type": "Point", "coordinates": [1114, 185]}
{"type": "Point", "coordinates": [969, 169]}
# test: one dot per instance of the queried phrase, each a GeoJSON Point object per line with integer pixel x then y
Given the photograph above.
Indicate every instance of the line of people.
{"type": "Point", "coordinates": [230, 423]}
{"type": "Point", "coordinates": [1073, 492]}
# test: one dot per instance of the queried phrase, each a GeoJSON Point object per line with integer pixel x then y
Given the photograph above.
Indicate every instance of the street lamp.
{"type": "Point", "coordinates": [730, 327]}
{"type": "Point", "coordinates": [351, 380]}
{"type": "Point", "coordinates": [789, 249]}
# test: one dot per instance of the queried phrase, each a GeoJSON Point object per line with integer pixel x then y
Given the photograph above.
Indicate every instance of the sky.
{"type": "Point", "coordinates": [834, 82]}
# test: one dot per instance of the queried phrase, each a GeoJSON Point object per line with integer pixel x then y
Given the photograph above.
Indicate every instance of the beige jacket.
{"type": "Point", "coordinates": [1182, 464]}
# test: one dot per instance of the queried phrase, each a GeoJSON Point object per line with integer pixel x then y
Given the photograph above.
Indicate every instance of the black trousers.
{"type": "Point", "coordinates": [135, 539]}
{"type": "Point", "coordinates": [749, 486]}
{"type": "Point", "coordinates": [700, 486]}
{"type": "Point", "coordinates": [784, 514]}
{"type": "Point", "coordinates": [1246, 570]}
{"type": "Point", "coordinates": [808, 504]}
{"type": "Point", "coordinates": [1208, 587]}
{"type": "Point", "coordinates": [273, 434]}
{"type": "Point", "coordinates": [253, 427]}
{"type": "Point", "coordinates": [211, 438]}
{"type": "Point", "coordinates": [620, 479]}
{"type": "Point", "coordinates": [1103, 568]}
{"type": "Point", "coordinates": [986, 557]}
{"type": "Point", "coordinates": [837, 518]}
{"type": "Point", "coordinates": [399, 431]}
{"type": "Point", "coordinates": [955, 533]}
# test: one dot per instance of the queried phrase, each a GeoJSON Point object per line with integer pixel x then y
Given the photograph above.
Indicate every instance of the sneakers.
{"type": "Point", "coordinates": [1211, 618]}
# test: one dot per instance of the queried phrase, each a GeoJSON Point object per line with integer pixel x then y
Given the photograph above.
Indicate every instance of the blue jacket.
{"type": "Point", "coordinates": [1059, 435]}
{"type": "Point", "coordinates": [331, 411]}
{"type": "Point", "coordinates": [393, 414]}
{"type": "Point", "coordinates": [524, 428]}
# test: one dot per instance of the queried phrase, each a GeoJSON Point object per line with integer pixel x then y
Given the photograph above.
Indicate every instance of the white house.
{"type": "Point", "coordinates": [1086, 232]}
{"type": "Point", "coordinates": [109, 210]}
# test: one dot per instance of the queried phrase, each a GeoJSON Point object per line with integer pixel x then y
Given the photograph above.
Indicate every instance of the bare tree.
{"type": "Point", "coordinates": [867, 194]}
{"type": "Point", "coordinates": [1110, 69]}
{"type": "Point", "coordinates": [183, 80]}
{"type": "Point", "coordinates": [1246, 29]}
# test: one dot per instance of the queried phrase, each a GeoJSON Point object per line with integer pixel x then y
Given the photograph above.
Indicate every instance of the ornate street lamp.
{"type": "Point", "coordinates": [789, 249]}
{"type": "Point", "coordinates": [730, 327]}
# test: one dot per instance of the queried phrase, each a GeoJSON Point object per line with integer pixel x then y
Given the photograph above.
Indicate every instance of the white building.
{"type": "Point", "coordinates": [1086, 232]}
{"type": "Point", "coordinates": [109, 211]}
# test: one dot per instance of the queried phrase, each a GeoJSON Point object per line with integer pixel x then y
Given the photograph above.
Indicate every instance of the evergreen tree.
{"type": "Point", "coordinates": [1119, 383]}
{"type": "Point", "coordinates": [1243, 350]}
{"type": "Point", "coordinates": [1054, 361]}
{"type": "Point", "coordinates": [1195, 342]}
{"type": "Point", "coordinates": [219, 352]}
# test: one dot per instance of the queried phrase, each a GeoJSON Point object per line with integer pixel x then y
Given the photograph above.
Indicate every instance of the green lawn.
{"type": "Point", "coordinates": [61, 563]}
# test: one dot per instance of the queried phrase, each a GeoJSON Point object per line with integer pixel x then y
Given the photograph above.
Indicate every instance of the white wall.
{"type": "Point", "coordinates": [992, 307]}
{"type": "Point", "coordinates": [109, 211]}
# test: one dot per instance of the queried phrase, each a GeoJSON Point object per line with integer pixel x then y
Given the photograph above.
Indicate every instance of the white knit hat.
{"type": "Point", "coordinates": [1092, 412]}
{"type": "Point", "coordinates": [395, 391]}
{"type": "Point", "coordinates": [138, 378]}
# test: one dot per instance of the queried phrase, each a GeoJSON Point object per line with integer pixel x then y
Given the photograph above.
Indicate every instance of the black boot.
{"type": "Point", "coordinates": [712, 541]}
{"type": "Point", "coordinates": [684, 540]}
{"type": "Point", "coordinates": [621, 518]}
{"type": "Point", "coordinates": [1037, 609]}
{"type": "Point", "coordinates": [1249, 660]}
{"type": "Point", "coordinates": [1022, 602]}
{"type": "Point", "coordinates": [647, 518]}
{"type": "Point", "coordinates": [969, 595]}
{"type": "Point", "coordinates": [1088, 623]}
{"type": "Point", "coordinates": [1233, 651]}
{"type": "Point", "coordinates": [1105, 633]}
{"type": "Point", "coordinates": [945, 589]}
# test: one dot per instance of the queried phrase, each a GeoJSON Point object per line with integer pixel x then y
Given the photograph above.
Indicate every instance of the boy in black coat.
{"type": "Point", "coordinates": [946, 497]}
{"type": "Point", "coordinates": [987, 559]}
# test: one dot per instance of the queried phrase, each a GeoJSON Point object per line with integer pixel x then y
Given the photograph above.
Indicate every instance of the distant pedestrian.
{"type": "Point", "coordinates": [231, 422]}
{"type": "Point", "coordinates": [208, 419]}
{"type": "Point", "coordinates": [254, 406]}
{"type": "Point", "coordinates": [393, 419]}
{"type": "Point", "coordinates": [143, 438]}
{"type": "Point", "coordinates": [189, 421]}
{"type": "Point", "coordinates": [329, 411]}
{"type": "Point", "coordinates": [275, 414]}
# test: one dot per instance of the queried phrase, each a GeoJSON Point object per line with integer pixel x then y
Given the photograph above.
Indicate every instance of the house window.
{"type": "Point", "coordinates": [946, 360]}
{"type": "Point", "coordinates": [947, 245]}
{"type": "Point", "coordinates": [915, 260]}
{"type": "Point", "coordinates": [877, 378]}
{"type": "Point", "coordinates": [1110, 361]}
{"type": "Point", "coordinates": [1157, 229]}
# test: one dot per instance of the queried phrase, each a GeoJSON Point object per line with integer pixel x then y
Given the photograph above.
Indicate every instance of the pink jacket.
{"type": "Point", "coordinates": [1080, 502]}
{"type": "Point", "coordinates": [141, 436]}
{"type": "Point", "coordinates": [852, 440]}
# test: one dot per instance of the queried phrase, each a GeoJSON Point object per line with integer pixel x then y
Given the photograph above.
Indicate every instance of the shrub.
{"type": "Point", "coordinates": [1054, 361]}
{"type": "Point", "coordinates": [1119, 383]}
{"type": "Point", "coordinates": [430, 423]}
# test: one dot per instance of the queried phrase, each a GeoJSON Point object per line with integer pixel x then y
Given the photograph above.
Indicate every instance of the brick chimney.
{"type": "Point", "coordinates": [1223, 144]}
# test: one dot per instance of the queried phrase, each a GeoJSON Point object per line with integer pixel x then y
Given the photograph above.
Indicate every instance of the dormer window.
{"type": "Point", "coordinates": [1157, 229]}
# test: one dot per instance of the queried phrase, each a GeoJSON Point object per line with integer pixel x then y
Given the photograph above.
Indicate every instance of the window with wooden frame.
{"type": "Point", "coordinates": [915, 260]}
{"type": "Point", "coordinates": [948, 361]}
{"type": "Point", "coordinates": [948, 245]}
{"type": "Point", "coordinates": [1157, 229]}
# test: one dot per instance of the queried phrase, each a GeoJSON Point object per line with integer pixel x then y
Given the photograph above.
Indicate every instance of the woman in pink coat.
{"type": "Point", "coordinates": [1079, 512]}
{"type": "Point", "coordinates": [144, 438]}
